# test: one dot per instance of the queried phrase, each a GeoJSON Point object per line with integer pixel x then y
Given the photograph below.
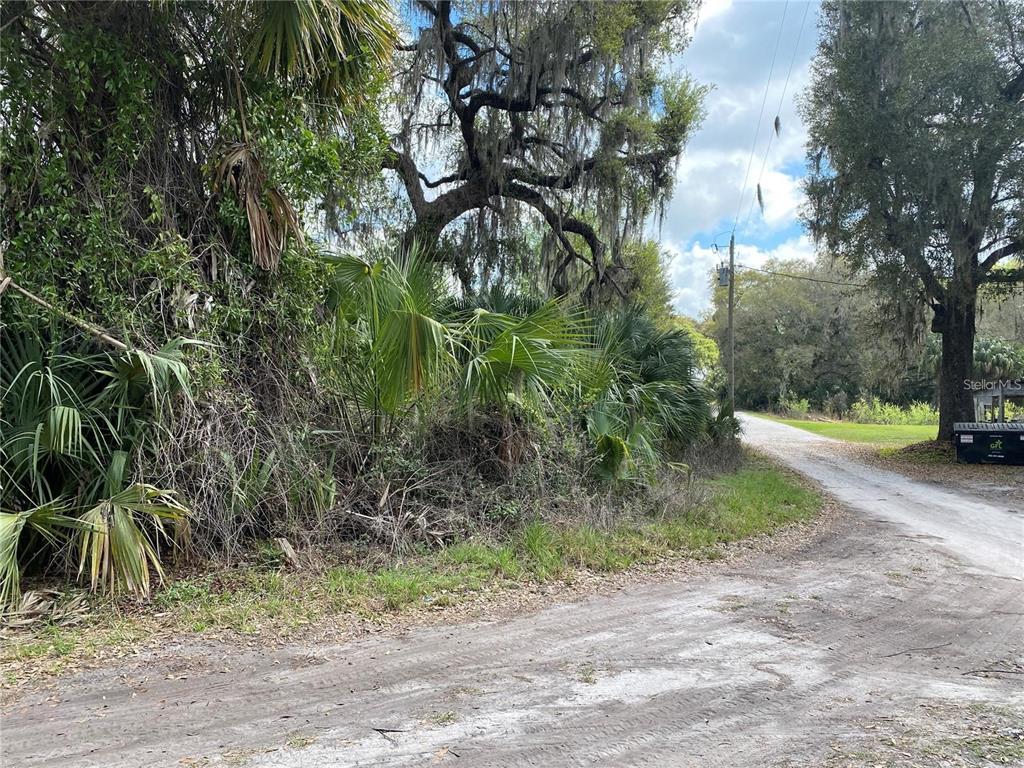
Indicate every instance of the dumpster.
{"type": "Point", "coordinates": [979, 442]}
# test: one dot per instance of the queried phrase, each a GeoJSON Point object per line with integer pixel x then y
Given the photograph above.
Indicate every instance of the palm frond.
{"type": "Point", "coordinates": [271, 217]}
{"type": "Point", "coordinates": [72, 424]}
{"type": "Point", "coordinates": [645, 393]}
{"type": "Point", "coordinates": [411, 352]}
{"type": "Point", "coordinates": [510, 356]}
{"type": "Point", "coordinates": [46, 520]}
{"type": "Point", "coordinates": [329, 44]}
{"type": "Point", "coordinates": [495, 299]}
{"type": "Point", "coordinates": [398, 299]}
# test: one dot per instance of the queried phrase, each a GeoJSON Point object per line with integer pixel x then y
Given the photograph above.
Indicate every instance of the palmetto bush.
{"type": "Point", "coordinates": [645, 403]}
{"type": "Point", "coordinates": [75, 427]}
{"type": "Point", "coordinates": [409, 338]}
{"type": "Point", "coordinates": [400, 335]}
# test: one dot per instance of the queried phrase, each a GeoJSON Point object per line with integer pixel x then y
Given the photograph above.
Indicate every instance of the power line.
{"type": "Point", "coordinates": [803, 277]}
{"type": "Point", "coordinates": [778, 111]}
{"type": "Point", "coordinates": [760, 116]}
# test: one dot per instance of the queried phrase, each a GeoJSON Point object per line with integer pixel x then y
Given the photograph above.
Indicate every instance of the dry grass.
{"type": "Point", "coordinates": [269, 601]}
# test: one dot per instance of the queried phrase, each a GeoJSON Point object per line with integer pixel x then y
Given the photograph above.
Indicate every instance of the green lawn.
{"type": "Point", "coordinates": [891, 435]}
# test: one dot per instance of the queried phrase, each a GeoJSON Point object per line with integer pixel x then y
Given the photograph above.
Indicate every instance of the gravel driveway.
{"type": "Point", "coordinates": [982, 532]}
{"type": "Point", "coordinates": [891, 636]}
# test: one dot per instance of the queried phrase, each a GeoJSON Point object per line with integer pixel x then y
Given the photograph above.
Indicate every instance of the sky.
{"type": "Point", "coordinates": [732, 49]}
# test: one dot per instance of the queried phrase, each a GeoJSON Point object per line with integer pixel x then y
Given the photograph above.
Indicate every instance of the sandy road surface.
{"type": "Point", "coordinates": [986, 533]}
{"type": "Point", "coordinates": [862, 647]}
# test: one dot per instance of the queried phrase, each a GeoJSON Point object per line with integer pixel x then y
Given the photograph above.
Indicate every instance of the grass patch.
{"type": "Point", "coordinates": [889, 435]}
{"type": "Point", "coordinates": [759, 499]}
{"type": "Point", "coordinates": [756, 499]}
{"type": "Point", "coordinates": [441, 718]}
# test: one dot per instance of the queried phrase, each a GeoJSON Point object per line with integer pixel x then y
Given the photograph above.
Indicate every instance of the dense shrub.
{"type": "Point", "coordinates": [796, 408]}
{"type": "Point", "coordinates": [155, 190]}
{"type": "Point", "coordinates": [874, 411]}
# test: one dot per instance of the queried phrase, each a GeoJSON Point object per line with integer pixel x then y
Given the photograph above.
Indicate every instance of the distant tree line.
{"type": "Point", "coordinates": [831, 344]}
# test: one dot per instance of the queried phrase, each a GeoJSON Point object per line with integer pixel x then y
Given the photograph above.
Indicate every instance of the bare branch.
{"type": "Point", "coordinates": [410, 176]}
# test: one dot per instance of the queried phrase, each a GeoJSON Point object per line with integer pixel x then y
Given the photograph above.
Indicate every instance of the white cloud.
{"type": "Point", "coordinates": [783, 197]}
{"type": "Point", "coordinates": [693, 269]}
{"type": "Point", "coordinates": [709, 9]}
{"type": "Point", "coordinates": [732, 49]}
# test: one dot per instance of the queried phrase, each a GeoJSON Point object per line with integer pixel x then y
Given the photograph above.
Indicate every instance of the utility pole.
{"type": "Point", "coordinates": [732, 330]}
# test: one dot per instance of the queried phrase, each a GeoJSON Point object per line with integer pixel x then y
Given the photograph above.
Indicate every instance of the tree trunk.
{"type": "Point", "coordinates": [954, 319]}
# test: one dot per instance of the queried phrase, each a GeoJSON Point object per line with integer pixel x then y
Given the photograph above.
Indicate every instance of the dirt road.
{"type": "Point", "coordinates": [867, 645]}
{"type": "Point", "coordinates": [986, 534]}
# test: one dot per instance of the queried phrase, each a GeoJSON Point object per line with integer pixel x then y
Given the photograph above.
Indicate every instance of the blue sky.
{"type": "Point", "coordinates": [732, 49]}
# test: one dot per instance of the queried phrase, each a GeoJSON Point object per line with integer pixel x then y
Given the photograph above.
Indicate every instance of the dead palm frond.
{"type": "Point", "coordinates": [271, 217]}
{"type": "Point", "coordinates": [45, 607]}
{"type": "Point", "coordinates": [113, 546]}
{"type": "Point", "coordinates": [45, 521]}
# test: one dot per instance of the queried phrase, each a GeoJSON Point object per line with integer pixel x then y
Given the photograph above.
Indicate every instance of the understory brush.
{"type": "Point", "coordinates": [411, 420]}
{"type": "Point", "coordinates": [864, 410]}
{"type": "Point", "coordinates": [873, 411]}
{"type": "Point", "coordinates": [261, 594]}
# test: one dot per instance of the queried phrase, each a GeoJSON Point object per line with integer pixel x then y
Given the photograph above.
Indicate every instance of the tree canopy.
{"type": "Point", "coordinates": [918, 158]}
{"type": "Point", "coordinates": [556, 108]}
{"type": "Point", "coordinates": [180, 141]}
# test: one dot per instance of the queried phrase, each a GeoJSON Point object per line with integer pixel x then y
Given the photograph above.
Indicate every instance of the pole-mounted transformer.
{"type": "Point", "coordinates": [723, 275]}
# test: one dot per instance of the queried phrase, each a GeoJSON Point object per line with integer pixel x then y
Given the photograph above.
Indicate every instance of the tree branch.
{"type": "Point", "coordinates": [914, 257]}
{"type": "Point", "coordinates": [560, 225]}
{"type": "Point", "coordinates": [535, 200]}
{"type": "Point", "coordinates": [460, 176]}
{"type": "Point", "coordinates": [1004, 276]}
{"type": "Point", "coordinates": [565, 180]}
{"type": "Point", "coordinates": [410, 176]}
{"type": "Point", "coordinates": [1010, 249]}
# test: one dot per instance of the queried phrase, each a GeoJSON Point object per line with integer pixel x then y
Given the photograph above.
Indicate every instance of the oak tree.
{"type": "Point", "coordinates": [553, 110]}
{"type": "Point", "coordinates": [916, 122]}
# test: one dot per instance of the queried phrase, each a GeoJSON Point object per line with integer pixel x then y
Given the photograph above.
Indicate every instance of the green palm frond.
{"type": "Point", "coordinates": [497, 299]}
{"type": "Point", "coordinates": [72, 425]}
{"type": "Point", "coordinates": [48, 424]}
{"type": "Point", "coordinates": [396, 301]}
{"type": "Point", "coordinates": [139, 381]}
{"type": "Point", "coordinates": [645, 393]}
{"type": "Point", "coordinates": [511, 357]}
{"type": "Point", "coordinates": [329, 44]}
{"type": "Point", "coordinates": [624, 446]}
{"type": "Point", "coordinates": [412, 351]}
{"type": "Point", "coordinates": [47, 521]}
{"type": "Point", "coordinates": [63, 430]}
